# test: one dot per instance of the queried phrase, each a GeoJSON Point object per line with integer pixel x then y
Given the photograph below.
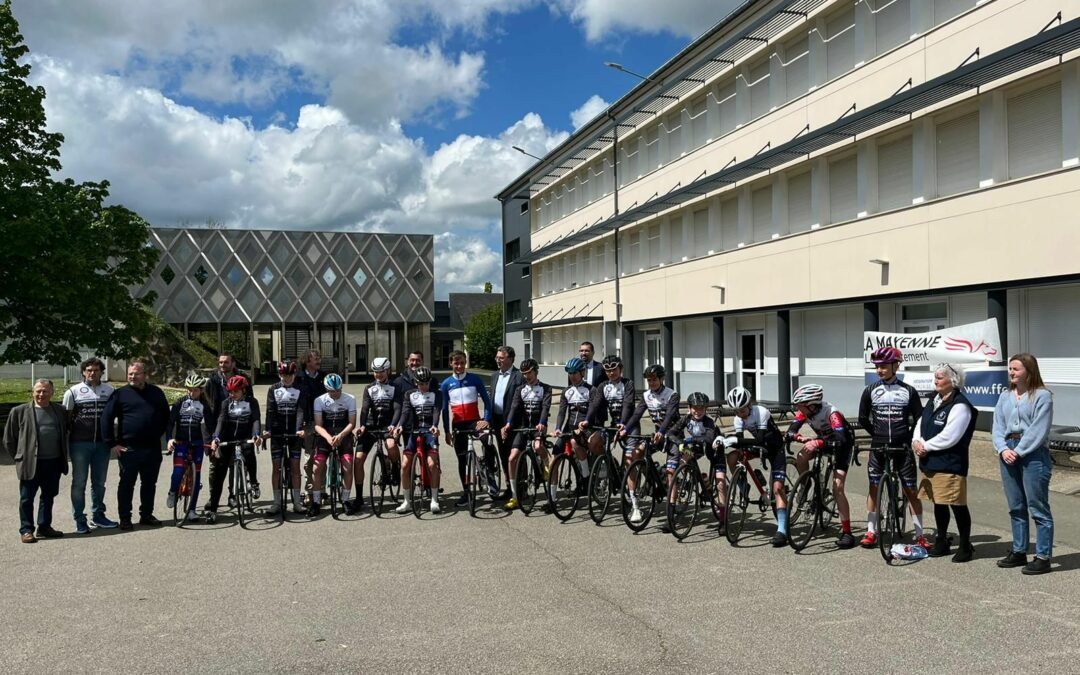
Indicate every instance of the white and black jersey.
{"type": "Point", "coordinates": [381, 406]}
{"type": "Point", "coordinates": [575, 406]}
{"type": "Point", "coordinates": [335, 414]}
{"type": "Point", "coordinates": [187, 421]}
{"type": "Point", "coordinates": [663, 408]}
{"type": "Point", "coordinates": [530, 406]}
{"type": "Point", "coordinates": [421, 410]}
{"type": "Point", "coordinates": [238, 420]}
{"type": "Point", "coordinates": [86, 404]}
{"type": "Point", "coordinates": [889, 411]}
{"type": "Point", "coordinates": [285, 409]}
{"type": "Point", "coordinates": [615, 403]}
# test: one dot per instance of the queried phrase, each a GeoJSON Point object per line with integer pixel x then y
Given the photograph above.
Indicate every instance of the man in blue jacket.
{"type": "Point", "coordinates": [133, 424]}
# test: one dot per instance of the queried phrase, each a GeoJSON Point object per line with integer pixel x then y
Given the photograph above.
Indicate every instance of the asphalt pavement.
{"type": "Point", "coordinates": [506, 592]}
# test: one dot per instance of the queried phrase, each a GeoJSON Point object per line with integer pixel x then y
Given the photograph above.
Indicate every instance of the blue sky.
{"type": "Point", "coordinates": [375, 115]}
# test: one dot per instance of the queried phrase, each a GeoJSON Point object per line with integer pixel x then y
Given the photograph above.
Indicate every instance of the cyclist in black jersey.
{"type": "Point", "coordinates": [380, 409]}
{"type": "Point", "coordinates": [889, 410]}
{"type": "Point", "coordinates": [529, 408]}
{"type": "Point", "coordinates": [238, 420]}
{"type": "Point", "coordinates": [285, 406]}
{"type": "Point", "coordinates": [186, 436]}
{"type": "Point", "coordinates": [577, 401]}
{"type": "Point", "coordinates": [420, 410]}
{"type": "Point", "coordinates": [662, 404]}
{"type": "Point", "coordinates": [615, 403]}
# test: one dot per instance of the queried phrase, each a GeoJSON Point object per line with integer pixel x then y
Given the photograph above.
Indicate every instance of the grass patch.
{"type": "Point", "coordinates": [19, 391]}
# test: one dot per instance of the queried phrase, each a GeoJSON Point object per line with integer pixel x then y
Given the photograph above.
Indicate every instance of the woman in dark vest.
{"type": "Point", "coordinates": [941, 442]}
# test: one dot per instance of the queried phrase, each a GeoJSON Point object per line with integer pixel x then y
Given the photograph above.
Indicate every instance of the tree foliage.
{"type": "Point", "coordinates": [69, 260]}
{"type": "Point", "coordinates": [484, 335]}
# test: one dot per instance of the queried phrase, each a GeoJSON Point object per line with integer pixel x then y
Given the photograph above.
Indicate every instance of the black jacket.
{"type": "Point", "coordinates": [517, 381]}
{"type": "Point", "coordinates": [140, 417]}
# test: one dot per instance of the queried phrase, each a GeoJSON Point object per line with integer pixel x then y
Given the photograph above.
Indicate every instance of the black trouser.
{"type": "Point", "coordinates": [47, 479]}
{"type": "Point", "coordinates": [226, 468]}
{"type": "Point", "coordinates": [142, 464]}
{"type": "Point", "coordinates": [497, 423]}
{"type": "Point", "coordinates": [461, 449]}
{"type": "Point", "coordinates": [963, 521]}
{"type": "Point", "coordinates": [220, 469]}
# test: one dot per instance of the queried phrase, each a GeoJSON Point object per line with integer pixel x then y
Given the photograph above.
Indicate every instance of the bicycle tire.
{"type": "Point", "coordinates": [889, 530]}
{"type": "Point", "coordinates": [183, 496]}
{"type": "Point", "coordinates": [828, 501]}
{"type": "Point", "coordinates": [417, 480]}
{"type": "Point", "coordinates": [240, 490]}
{"type": "Point", "coordinates": [565, 477]}
{"type": "Point", "coordinates": [738, 500]}
{"type": "Point", "coordinates": [333, 484]}
{"type": "Point", "coordinates": [472, 482]}
{"type": "Point", "coordinates": [714, 491]}
{"type": "Point", "coordinates": [684, 499]}
{"type": "Point", "coordinates": [286, 486]}
{"type": "Point", "coordinates": [644, 491]}
{"type": "Point", "coordinates": [375, 479]}
{"type": "Point", "coordinates": [600, 478]}
{"type": "Point", "coordinates": [528, 480]}
{"type": "Point", "coordinates": [804, 512]}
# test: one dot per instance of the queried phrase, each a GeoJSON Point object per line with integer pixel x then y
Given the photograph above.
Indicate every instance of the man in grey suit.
{"type": "Point", "coordinates": [504, 382]}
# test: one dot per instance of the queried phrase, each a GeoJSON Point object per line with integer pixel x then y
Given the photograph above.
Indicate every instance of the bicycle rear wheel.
{"type": "Point", "coordinates": [643, 492]}
{"type": "Point", "coordinates": [528, 480]}
{"type": "Point", "coordinates": [828, 501]}
{"type": "Point", "coordinates": [890, 531]}
{"type": "Point", "coordinates": [240, 491]}
{"type": "Point", "coordinates": [565, 478]}
{"type": "Point", "coordinates": [684, 500]}
{"type": "Point", "coordinates": [738, 498]}
{"type": "Point", "coordinates": [600, 479]}
{"type": "Point", "coordinates": [804, 512]}
{"type": "Point", "coordinates": [183, 496]}
{"type": "Point", "coordinates": [417, 481]}
{"type": "Point", "coordinates": [714, 492]}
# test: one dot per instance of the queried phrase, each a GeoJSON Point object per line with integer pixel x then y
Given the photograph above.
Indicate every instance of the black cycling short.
{"type": "Point", "coordinates": [522, 439]}
{"type": "Point", "coordinates": [774, 458]}
{"type": "Point", "coordinates": [902, 463]}
{"type": "Point", "coordinates": [368, 440]}
{"type": "Point", "coordinates": [278, 446]}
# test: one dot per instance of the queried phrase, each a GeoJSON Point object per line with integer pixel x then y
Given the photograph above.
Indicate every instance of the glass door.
{"type": "Point", "coordinates": [653, 351]}
{"type": "Point", "coordinates": [752, 360]}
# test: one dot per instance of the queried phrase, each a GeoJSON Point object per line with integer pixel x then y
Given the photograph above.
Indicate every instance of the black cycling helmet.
{"type": "Point", "coordinates": [529, 365]}
{"type": "Point", "coordinates": [655, 370]}
{"type": "Point", "coordinates": [422, 374]}
{"type": "Point", "coordinates": [611, 362]}
{"type": "Point", "coordinates": [697, 399]}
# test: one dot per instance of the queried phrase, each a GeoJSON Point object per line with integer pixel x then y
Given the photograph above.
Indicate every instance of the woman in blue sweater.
{"type": "Point", "coordinates": [1022, 419]}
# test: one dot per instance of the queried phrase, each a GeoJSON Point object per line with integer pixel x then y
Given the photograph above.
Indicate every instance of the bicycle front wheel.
{"type": "Point", "coordinates": [183, 497]}
{"type": "Point", "coordinates": [565, 478]}
{"type": "Point", "coordinates": [738, 498]}
{"type": "Point", "coordinates": [377, 481]}
{"type": "Point", "coordinates": [804, 510]}
{"type": "Point", "coordinates": [528, 481]}
{"type": "Point", "coordinates": [333, 484]}
{"type": "Point", "coordinates": [684, 500]}
{"type": "Point", "coordinates": [286, 487]}
{"type": "Point", "coordinates": [638, 495]}
{"type": "Point", "coordinates": [417, 478]}
{"type": "Point", "coordinates": [890, 531]}
{"type": "Point", "coordinates": [240, 491]}
{"type": "Point", "coordinates": [603, 473]}
{"type": "Point", "coordinates": [828, 501]}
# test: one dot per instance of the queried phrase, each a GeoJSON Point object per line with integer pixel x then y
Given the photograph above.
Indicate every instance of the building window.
{"type": "Point", "coordinates": [525, 271]}
{"type": "Point", "coordinates": [958, 155]}
{"type": "Point", "coordinates": [892, 23]}
{"type": "Point", "coordinates": [1035, 131]}
{"type": "Point", "coordinates": [843, 188]}
{"type": "Point", "coordinates": [894, 174]}
{"type": "Point", "coordinates": [513, 250]}
{"type": "Point", "coordinates": [800, 209]}
{"type": "Point", "coordinates": [524, 207]}
{"type": "Point", "coordinates": [513, 310]}
{"type": "Point", "coordinates": [167, 275]}
{"type": "Point", "coordinates": [797, 67]}
{"type": "Point", "coordinates": [840, 43]}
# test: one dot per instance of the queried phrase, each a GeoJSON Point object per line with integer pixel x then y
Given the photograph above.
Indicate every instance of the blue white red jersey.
{"type": "Point", "coordinates": [461, 400]}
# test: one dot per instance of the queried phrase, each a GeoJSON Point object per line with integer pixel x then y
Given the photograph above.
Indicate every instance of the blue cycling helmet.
{"type": "Point", "coordinates": [575, 365]}
{"type": "Point", "coordinates": [332, 382]}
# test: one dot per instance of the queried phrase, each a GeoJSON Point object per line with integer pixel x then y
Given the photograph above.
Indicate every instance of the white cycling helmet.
{"type": "Point", "coordinates": [738, 398]}
{"type": "Point", "coordinates": [379, 364]}
{"type": "Point", "coordinates": [809, 394]}
{"type": "Point", "coordinates": [195, 381]}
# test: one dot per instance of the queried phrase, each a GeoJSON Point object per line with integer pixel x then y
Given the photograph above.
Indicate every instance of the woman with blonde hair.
{"type": "Point", "coordinates": [1022, 419]}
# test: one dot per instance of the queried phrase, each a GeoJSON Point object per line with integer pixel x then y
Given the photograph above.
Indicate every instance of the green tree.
{"type": "Point", "coordinates": [483, 335]}
{"type": "Point", "coordinates": [69, 260]}
{"type": "Point", "coordinates": [488, 287]}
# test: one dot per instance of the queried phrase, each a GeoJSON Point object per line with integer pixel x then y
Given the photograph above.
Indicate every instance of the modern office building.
{"type": "Point", "coordinates": [352, 295]}
{"type": "Point", "coordinates": [807, 170]}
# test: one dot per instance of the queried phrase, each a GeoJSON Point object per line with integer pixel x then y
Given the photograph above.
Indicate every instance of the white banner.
{"type": "Point", "coordinates": [970, 343]}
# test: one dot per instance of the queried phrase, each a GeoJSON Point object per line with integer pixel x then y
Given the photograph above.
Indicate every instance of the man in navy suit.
{"type": "Point", "coordinates": [594, 372]}
{"type": "Point", "coordinates": [504, 382]}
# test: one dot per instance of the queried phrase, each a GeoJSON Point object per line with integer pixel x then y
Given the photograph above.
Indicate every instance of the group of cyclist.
{"type": "Point", "coordinates": [402, 411]}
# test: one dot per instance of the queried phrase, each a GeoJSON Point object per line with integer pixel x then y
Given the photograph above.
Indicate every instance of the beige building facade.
{"type": "Point", "coordinates": [806, 171]}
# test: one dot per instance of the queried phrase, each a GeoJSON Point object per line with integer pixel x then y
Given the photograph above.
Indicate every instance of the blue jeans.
{"type": "Point", "coordinates": [93, 459]}
{"type": "Point", "coordinates": [47, 480]}
{"type": "Point", "coordinates": [1027, 491]}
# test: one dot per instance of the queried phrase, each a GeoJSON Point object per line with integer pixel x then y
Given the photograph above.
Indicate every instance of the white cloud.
{"type": "Point", "coordinates": [689, 18]}
{"type": "Point", "coordinates": [588, 110]}
{"type": "Point", "coordinates": [173, 164]}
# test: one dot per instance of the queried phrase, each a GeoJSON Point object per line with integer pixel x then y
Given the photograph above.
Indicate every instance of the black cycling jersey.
{"type": "Point", "coordinates": [86, 404]}
{"type": "Point", "coordinates": [187, 421]}
{"type": "Point", "coordinates": [238, 420]}
{"type": "Point", "coordinates": [285, 407]}
{"type": "Point", "coordinates": [575, 406]}
{"type": "Point", "coordinates": [889, 411]}
{"type": "Point", "coordinates": [381, 406]}
{"type": "Point", "coordinates": [688, 429]}
{"type": "Point", "coordinates": [420, 411]}
{"type": "Point", "coordinates": [616, 402]}
{"type": "Point", "coordinates": [530, 406]}
{"type": "Point", "coordinates": [663, 408]}
{"type": "Point", "coordinates": [761, 427]}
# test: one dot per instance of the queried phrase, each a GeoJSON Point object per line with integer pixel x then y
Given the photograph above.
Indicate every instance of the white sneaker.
{"type": "Point", "coordinates": [405, 507]}
{"type": "Point", "coordinates": [192, 516]}
{"type": "Point", "coordinates": [635, 516]}
{"type": "Point", "coordinates": [274, 509]}
{"type": "Point", "coordinates": [435, 508]}
{"type": "Point", "coordinates": [171, 501]}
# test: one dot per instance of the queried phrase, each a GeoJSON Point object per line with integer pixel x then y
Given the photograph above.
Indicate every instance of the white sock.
{"type": "Point", "coordinates": [633, 500]}
{"type": "Point", "coordinates": [345, 494]}
{"type": "Point", "coordinates": [408, 493]}
{"type": "Point", "coordinates": [584, 464]}
{"type": "Point", "coordinates": [316, 495]}
{"type": "Point", "coordinates": [917, 522]}
{"type": "Point", "coordinates": [871, 522]}
{"type": "Point", "coordinates": [513, 488]}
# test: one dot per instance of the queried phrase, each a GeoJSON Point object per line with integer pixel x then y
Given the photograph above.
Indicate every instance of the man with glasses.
{"type": "Point", "coordinates": [504, 382]}
{"type": "Point", "coordinates": [594, 372]}
{"type": "Point", "coordinates": [89, 453]}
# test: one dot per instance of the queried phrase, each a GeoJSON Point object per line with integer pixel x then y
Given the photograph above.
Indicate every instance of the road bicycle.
{"type": "Point", "coordinates": [892, 502]}
{"type": "Point", "coordinates": [241, 482]}
{"type": "Point", "coordinates": [642, 484]}
{"type": "Point", "coordinates": [530, 475]}
{"type": "Point", "coordinates": [289, 441]}
{"type": "Point", "coordinates": [605, 477]}
{"type": "Point", "coordinates": [742, 478]}
{"type": "Point", "coordinates": [383, 481]}
{"type": "Point", "coordinates": [811, 501]}
{"type": "Point", "coordinates": [481, 468]}
{"type": "Point", "coordinates": [565, 485]}
{"type": "Point", "coordinates": [690, 487]}
{"type": "Point", "coordinates": [422, 489]}
{"type": "Point", "coordinates": [185, 492]}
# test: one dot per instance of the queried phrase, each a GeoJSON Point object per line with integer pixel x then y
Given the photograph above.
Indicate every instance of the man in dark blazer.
{"type": "Point", "coordinates": [594, 371]}
{"type": "Point", "coordinates": [36, 437]}
{"type": "Point", "coordinates": [504, 382]}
